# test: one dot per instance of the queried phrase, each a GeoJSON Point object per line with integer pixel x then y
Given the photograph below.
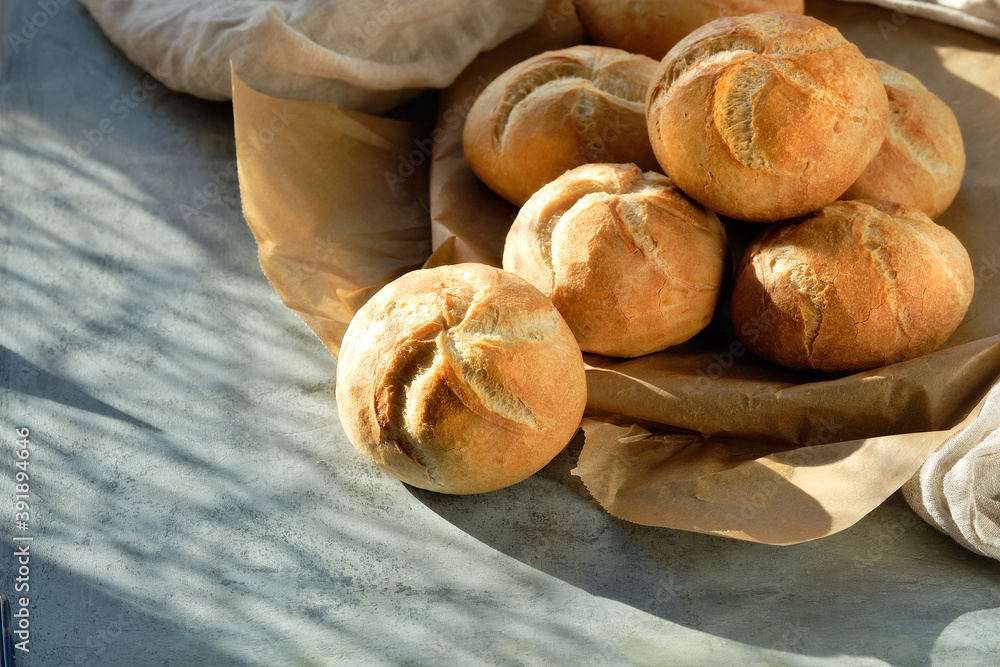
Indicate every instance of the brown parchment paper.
{"type": "Point", "coordinates": [704, 436]}
{"type": "Point", "coordinates": [337, 205]}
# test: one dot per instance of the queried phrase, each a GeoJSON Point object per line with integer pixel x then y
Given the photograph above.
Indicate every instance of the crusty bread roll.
{"type": "Point", "coordinates": [653, 27]}
{"type": "Point", "coordinates": [631, 263]}
{"type": "Point", "coordinates": [460, 379]}
{"type": "Point", "coordinates": [767, 116]}
{"type": "Point", "coordinates": [854, 286]}
{"type": "Point", "coordinates": [922, 160]}
{"type": "Point", "coordinates": [555, 111]}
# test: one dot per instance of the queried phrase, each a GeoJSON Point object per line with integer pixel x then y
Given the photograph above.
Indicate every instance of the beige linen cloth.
{"type": "Point", "coordinates": [982, 16]}
{"type": "Point", "coordinates": [368, 55]}
{"type": "Point", "coordinates": [958, 488]}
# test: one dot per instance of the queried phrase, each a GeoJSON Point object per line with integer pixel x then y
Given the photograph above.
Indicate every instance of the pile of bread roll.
{"type": "Point", "coordinates": [468, 378]}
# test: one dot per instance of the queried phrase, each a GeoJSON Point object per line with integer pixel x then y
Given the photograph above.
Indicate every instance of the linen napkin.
{"type": "Point", "coordinates": [982, 16]}
{"type": "Point", "coordinates": [366, 55]}
{"type": "Point", "coordinates": [958, 488]}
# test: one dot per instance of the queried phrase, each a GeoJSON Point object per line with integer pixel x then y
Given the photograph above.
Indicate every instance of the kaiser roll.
{"type": "Point", "coordinates": [922, 159]}
{"type": "Point", "coordinates": [631, 263]}
{"type": "Point", "coordinates": [460, 379]}
{"type": "Point", "coordinates": [854, 286]}
{"type": "Point", "coordinates": [767, 116]}
{"type": "Point", "coordinates": [555, 111]}
{"type": "Point", "coordinates": [652, 27]}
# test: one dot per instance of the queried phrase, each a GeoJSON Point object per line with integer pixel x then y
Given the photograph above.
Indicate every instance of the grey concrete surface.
{"type": "Point", "coordinates": [193, 500]}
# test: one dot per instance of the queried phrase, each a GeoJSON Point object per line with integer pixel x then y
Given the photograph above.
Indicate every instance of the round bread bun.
{"type": "Point", "coordinates": [460, 379]}
{"type": "Point", "coordinates": [765, 117]}
{"type": "Point", "coordinates": [633, 265]}
{"type": "Point", "coordinates": [653, 27]}
{"type": "Point", "coordinates": [922, 160]}
{"type": "Point", "coordinates": [556, 111]}
{"type": "Point", "coordinates": [854, 286]}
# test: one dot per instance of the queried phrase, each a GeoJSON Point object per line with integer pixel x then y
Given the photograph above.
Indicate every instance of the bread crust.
{"type": "Point", "coordinates": [653, 27]}
{"type": "Point", "coordinates": [632, 264]}
{"type": "Point", "coordinates": [766, 117]}
{"type": "Point", "coordinates": [854, 286]}
{"type": "Point", "coordinates": [460, 379]}
{"type": "Point", "coordinates": [922, 160]}
{"type": "Point", "coordinates": [556, 111]}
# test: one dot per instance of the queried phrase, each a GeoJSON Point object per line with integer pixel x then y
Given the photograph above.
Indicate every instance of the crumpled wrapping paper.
{"type": "Point", "coordinates": [750, 490]}
{"type": "Point", "coordinates": [701, 437]}
{"type": "Point", "coordinates": [330, 228]}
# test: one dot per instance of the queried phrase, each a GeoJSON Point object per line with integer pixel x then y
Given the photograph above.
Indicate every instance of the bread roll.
{"type": "Point", "coordinates": [555, 111]}
{"type": "Point", "coordinates": [653, 27]}
{"type": "Point", "coordinates": [460, 379]}
{"type": "Point", "coordinates": [854, 286]}
{"type": "Point", "coordinates": [922, 160]}
{"type": "Point", "coordinates": [767, 116]}
{"type": "Point", "coordinates": [631, 263]}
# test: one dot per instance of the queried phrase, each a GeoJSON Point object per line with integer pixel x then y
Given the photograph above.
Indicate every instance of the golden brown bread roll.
{"type": "Point", "coordinates": [922, 160]}
{"type": "Point", "coordinates": [653, 27]}
{"type": "Point", "coordinates": [460, 379]}
{"type": "Point", "coordinates": [555, 111]}
{"type": "Point", "coordinates": [767, 116]}
{"type": "Point", "coordinates": [854, 286]}
{"type": "Point", "coordinates": [631, 263]}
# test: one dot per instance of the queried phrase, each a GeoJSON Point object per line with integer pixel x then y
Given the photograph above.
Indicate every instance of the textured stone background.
{"type": "Point", "coordinates": [194, 501]}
